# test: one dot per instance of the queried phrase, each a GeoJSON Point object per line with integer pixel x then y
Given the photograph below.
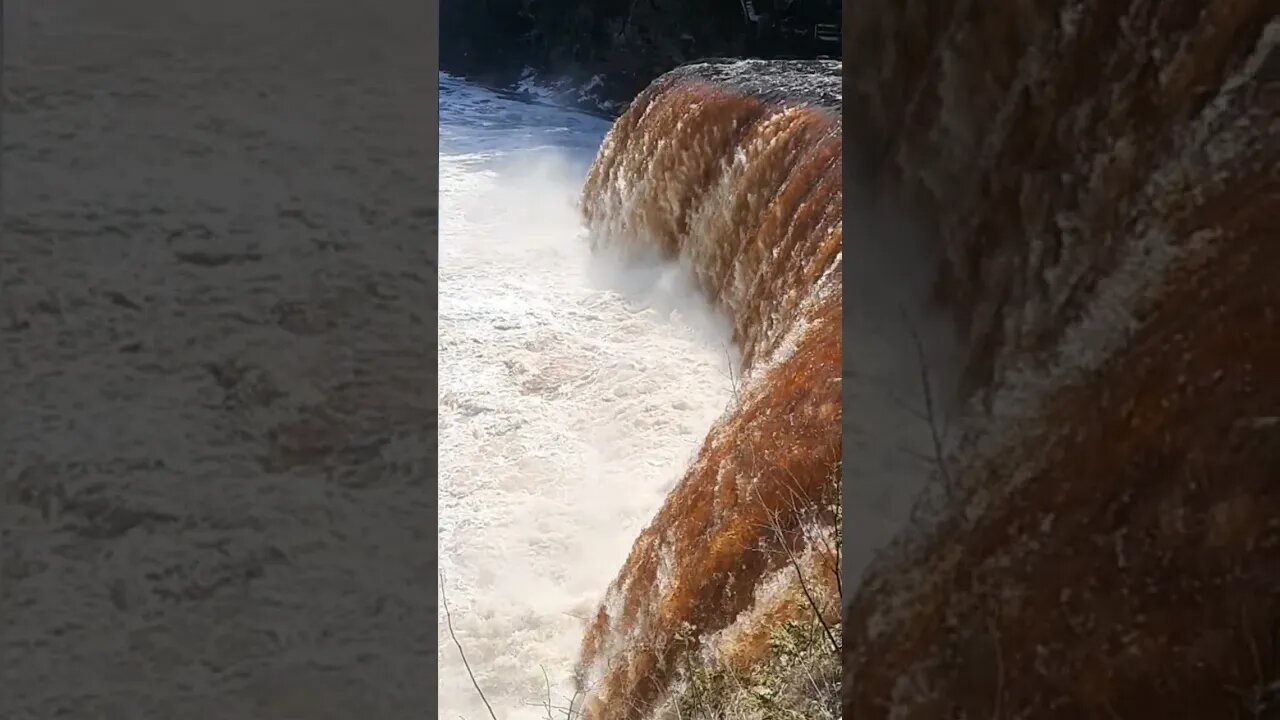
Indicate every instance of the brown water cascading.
{"type": "Point", "coordinates": [741, 180]}
{"type": "Point", "coordinates": [744, 189]}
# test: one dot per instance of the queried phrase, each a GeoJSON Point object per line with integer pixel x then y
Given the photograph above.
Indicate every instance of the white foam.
{"type": "Point", "coordinates": [573, 394]}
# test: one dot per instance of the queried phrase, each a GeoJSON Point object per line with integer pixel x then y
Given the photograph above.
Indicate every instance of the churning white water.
{"type": "Point", "coordinates": [574, 391]}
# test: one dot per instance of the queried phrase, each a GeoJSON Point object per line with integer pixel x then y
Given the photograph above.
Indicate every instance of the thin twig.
{"type": "Point", "coordinates": [797, 500]}
{"type": "Point", "coordinates": [795, 565]}
{"type": "Point", "coordinates": [577, 692]}
{"type": "Point", "coordinates": [547, 680]}
{"type": "Point", "coordinates": [733, 379]}
{"type": "Point", "coordinates": [448, 618]}
{"type": "Point", "coordinates": [995, 638]}
{"type": "Point", "coordinates": [1259, 676]}
{"type": "Point", "coordinates": [935, 435]}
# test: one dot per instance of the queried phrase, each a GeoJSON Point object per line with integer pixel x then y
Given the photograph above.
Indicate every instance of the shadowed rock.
{"type": "Point", "coordinates": [1102, 179]}
{"type": "Point", "coordinates": [616, 48]}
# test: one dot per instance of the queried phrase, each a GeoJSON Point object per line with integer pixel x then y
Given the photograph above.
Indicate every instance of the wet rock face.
{"type": "Point", "coordinates": [616, 46]}
{"type": "Point", "coordinates": [1103, 181]}
{"type": "Point", "coordinates": [815, 83]}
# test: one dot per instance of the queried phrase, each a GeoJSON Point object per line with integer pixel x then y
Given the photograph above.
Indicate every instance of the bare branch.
{"type": "Point", "coordinates": [448, 617]}
{"type": "Point", "coordinates": [937, 434]}
{"type": "Point", "coordinates": [795, 565]}
{"type": "Point", "coordinates": [547, 680]}
{"type": "Point", "coordinates": [995, 638]}
{"type": "Point", "coordinates": [733, 378]}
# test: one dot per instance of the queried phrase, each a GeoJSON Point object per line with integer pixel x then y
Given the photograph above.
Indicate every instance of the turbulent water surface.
{"type": "Point", "coordinates": [574, 390]}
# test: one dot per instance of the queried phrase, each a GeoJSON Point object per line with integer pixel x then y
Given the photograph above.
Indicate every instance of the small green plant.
{"type": "Point", "coordinates": [798, 680]}
{"type": "Point", "coordinates": [705, 694]}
